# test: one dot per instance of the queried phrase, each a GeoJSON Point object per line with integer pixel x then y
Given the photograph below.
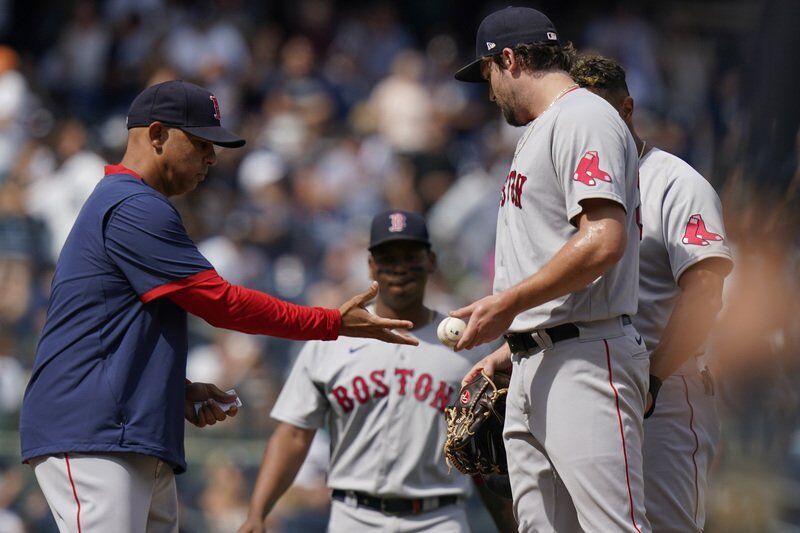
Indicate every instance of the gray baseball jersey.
{"type": "Point", "coordinates": [559, 162]}
{"type": "Point", "coordinates": [573, 428]}
{"type": "Point", "coordinates": [683, 225]}
{"type": "Point", "coordinates": [383, 403]}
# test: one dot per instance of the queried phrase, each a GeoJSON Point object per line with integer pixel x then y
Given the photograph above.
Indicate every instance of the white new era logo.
{"type": "Point", "coordinates": [552, 36]}
{"type": "Point", "coordinates": [490, 45]}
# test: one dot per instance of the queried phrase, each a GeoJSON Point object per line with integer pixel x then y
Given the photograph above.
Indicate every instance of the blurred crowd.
{"type": "Point", "coordinates": [350, 108]}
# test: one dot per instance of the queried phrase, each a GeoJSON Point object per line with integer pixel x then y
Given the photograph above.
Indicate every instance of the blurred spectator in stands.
{"type": "Point", "coordinates": [14, 111]}
{"type": "Point", "coordinates": [265, 43]}
{"type": "Point", "coordinates": [56, 194]}
{"type": "Point", "coordinates": [630, 39]}
{"type": "Point", "coordinates": [134, 37]}
{"type": "Point", "coordinates": [225, 500]}
{"type": "Point", "coordinates": [347, 84]}
{"type": "Point", "coordinates": [315, 20]}
{"type": "Point", "coordinates": [10, 522]}
{"type": "Point", "coordinates": [267, 215]}
{"type": "Point", "coordinates": [298, 92]}
{"type": "Point", "coordinates": [402, 106]}
{"type": "Point", "coordinates": [22, 252]}
{"type": "Point", "coordinates": [373, 36]}
{"type": "Point", "coordinates": [75, 68]}
{"type": "Point", "coordinates": [227, 359]}
{"type": "Point", "coordinates": [13, 376]}
{"type": "Point", "coordinates": [11, 485]}
{"type": "Point", "coordinates": [149, 10]}
{"type": "Point", "coordinates": [340, 170]}
{"type": "Point", "coordinates": [208, 47]}
{"type": "Point", "coordinates": [452, 100]}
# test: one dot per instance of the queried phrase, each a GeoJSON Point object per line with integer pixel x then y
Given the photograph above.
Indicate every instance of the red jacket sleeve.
{"type": "Point", "coordinates": [233, 307]}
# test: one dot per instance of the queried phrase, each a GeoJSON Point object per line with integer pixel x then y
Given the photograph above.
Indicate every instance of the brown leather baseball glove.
{"type": "Point", "coordinates": [474, 443]}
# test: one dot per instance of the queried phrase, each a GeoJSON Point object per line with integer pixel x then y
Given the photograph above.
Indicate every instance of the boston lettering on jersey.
{"type": "Point", "coordinates": [361, 389]}
{"type": "Point", "coordinates": [512, 189]}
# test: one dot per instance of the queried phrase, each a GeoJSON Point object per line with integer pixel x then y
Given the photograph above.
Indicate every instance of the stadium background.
{"type": "Point", "coordinates": [350, 107]}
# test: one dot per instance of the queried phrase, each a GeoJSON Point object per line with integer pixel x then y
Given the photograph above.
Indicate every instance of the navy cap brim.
{"type": "Point", "coordinates": [471, 73]}
{"type": "Point", "coordinates": [398, 238]}
{"type": "Point", "coordinates": [215, 134]}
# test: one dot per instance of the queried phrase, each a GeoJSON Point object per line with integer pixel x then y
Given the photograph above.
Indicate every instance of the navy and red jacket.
{"type": "Point", "coordinates": [110, 368]}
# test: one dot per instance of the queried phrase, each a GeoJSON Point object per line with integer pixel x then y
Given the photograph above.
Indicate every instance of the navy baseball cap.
{"type": "Point", "coordinates": [397, 225]}
{"type": "Point", "coordinates": [185, 106]}
{"type": "Point", "coordinates": [506, 29]}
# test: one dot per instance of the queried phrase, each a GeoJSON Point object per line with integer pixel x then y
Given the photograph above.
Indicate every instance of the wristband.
{"type": "Point", "coordinates": [655, 386]}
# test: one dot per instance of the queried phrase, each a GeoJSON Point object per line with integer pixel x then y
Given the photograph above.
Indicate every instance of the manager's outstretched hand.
{"type": "Point", "coordinates": [358, 322]}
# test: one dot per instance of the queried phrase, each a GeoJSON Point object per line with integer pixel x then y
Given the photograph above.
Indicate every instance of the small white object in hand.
{"type": "Point", "coordinates": [224, 406]}
{"type": "Point", "coordinates": [450, 330]}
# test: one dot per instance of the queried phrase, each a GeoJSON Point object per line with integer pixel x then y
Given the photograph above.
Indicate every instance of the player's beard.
{"type": "Point", "coordinates": [510, 115]}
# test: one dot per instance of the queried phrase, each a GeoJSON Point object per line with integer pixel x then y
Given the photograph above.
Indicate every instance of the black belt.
{"type": "Point", "coordinates": [525, 342]}
{"type": "Point", "coordinates": [394, 505]}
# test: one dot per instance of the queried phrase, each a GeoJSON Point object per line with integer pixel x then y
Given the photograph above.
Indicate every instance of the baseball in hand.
{"type": "Point", "coordinates": [450, 330]}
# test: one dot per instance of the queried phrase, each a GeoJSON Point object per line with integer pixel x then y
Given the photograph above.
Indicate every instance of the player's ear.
{"type": "Point", "coordinates": [509, 60]}
{"type": "Point", "coordinates": [432, 263]}
{"type": "Point", "coordinates": [626, 109]}
{"type": "Point", "coordinates": [373, 268]}
{"type": "Point", "coordinates": [157, 135]}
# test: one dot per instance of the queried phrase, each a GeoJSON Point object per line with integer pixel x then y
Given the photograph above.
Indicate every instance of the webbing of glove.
{"type": "Point", "coordinates": [474, 442]}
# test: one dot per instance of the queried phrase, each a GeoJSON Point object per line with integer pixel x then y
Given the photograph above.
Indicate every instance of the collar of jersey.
{"type": "Point", "coordinates": [121, 169]}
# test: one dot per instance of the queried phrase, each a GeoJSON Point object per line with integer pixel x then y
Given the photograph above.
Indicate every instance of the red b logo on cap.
{"type": "Point", "coordinates": [398, 222]}
{"type": "Point", "coordinates": [217, 114]}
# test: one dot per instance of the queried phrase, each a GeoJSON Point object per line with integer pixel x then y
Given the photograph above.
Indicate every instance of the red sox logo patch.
{"type": "Point", "coordinates": [397, 222]}
{"type": "Point", "coordinates": [465, 397]}
{"type": "Point", "coordinates": [217, 114]}
{"type": "Point", "coordinates": [696, 232]}
{"type": "Point", "coordinates": [589, 171]}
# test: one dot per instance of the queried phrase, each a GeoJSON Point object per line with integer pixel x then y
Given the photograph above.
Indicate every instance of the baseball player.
{"type": "Point", "coordinates": [683, 264]}
{"type": "Point", "coordinates": [102, 418]}
{"type": "Point", "coordinates": [566, 272]}
{"type": "Point", "coordinates": [383, 406]}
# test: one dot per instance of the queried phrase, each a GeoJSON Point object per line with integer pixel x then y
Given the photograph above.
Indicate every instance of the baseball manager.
{"type": "Point", "coordinates": [102, 418]}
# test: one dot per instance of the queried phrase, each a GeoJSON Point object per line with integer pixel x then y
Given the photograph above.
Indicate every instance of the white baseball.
{"type": "Point", "coordinates": [450, 330]}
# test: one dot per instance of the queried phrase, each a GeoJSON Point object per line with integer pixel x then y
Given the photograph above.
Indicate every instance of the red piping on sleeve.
{"type": "Point", "coordinates": [234, 307]}
{"type": "Point", "coordinates": [167, 288]}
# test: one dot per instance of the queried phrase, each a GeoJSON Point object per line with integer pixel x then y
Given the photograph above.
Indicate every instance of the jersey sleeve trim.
{"type": "Point", "coordinates": [294, 421]}
{"type": "Point", "coordinates": [172, 286]}
{"type": "Point", "coordinates": [578, 209]}
{"type": "Point", "coordinates": [693, 260]}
